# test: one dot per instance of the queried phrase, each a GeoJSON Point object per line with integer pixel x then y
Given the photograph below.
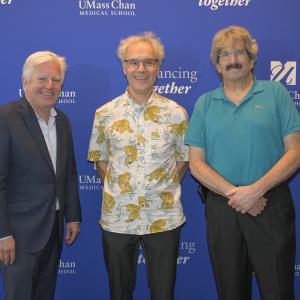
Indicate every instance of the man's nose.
{"type": "Point", "coordinates": [49, 83]}
{"type": "Point", "coordinates": [141, 67]}
{"type": "Point", "coordinates": [232, 58]}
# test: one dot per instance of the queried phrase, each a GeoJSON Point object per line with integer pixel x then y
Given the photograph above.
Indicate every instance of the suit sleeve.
{"type": "Point", "coordinates": [72, 204]}
{"type": "Point", "coordinates": [5, 229]}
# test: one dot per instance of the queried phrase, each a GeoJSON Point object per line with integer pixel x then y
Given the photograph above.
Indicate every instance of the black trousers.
{"type": "Point", "coordinates": [161, 252]}
{"type": "Point", "coordinates": [33, 275]}
{"type": "Point", "coordinates": [242, 244]}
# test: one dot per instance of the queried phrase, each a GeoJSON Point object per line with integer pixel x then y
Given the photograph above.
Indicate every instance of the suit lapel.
{"type": "Point", "coordinates": [31, 122]}
{"type": "Point", "coordinates": [59, 144]}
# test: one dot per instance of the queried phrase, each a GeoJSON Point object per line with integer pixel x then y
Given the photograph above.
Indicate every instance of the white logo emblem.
{"type": "Point", "coordinates": [112, 8]}
{"type": "Point", "coordinates": [285, 72]}
{"type": "Point", "coordinates": [5, 2]}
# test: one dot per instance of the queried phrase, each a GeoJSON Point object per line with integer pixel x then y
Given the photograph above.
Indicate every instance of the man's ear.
{"type": "Point", "coordinates": [124, 69]}
{"type": "Point", "coordinates": [24, 82]}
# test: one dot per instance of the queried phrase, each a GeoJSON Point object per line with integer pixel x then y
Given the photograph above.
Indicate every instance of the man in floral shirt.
{"type": "Point", "coordinates": [137, 146]}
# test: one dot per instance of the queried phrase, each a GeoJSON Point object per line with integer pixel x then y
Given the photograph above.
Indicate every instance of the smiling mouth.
{"type": "Point", "coordinates": [141, 79]}
{"type": "Point", "coordinates": [47, 94]}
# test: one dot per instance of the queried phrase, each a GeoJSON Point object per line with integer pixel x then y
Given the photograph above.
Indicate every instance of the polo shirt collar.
{"type": "Point", "coordinates": [256, 88]}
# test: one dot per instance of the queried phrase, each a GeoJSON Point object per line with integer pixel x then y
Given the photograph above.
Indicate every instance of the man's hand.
{"type": "Point", "coordinates": [257, 208]}
{"type": "Point", "coordinates": [8, 251]}
{"type": "Point", "coordinates": [72, 231]}
{"type": "Point", "coordinates": [243, 198]}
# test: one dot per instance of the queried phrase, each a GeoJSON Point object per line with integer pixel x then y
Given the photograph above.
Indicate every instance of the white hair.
{"type": "Point", "coordinates": [147, 37]}
{"type": "Point", "coordinates": [40, 57]}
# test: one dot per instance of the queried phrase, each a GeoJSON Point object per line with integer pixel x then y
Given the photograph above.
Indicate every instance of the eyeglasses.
{"type": "Point", "coordinates": [147, 63]}
{"type": "Point", "coordinates": [226, 55]}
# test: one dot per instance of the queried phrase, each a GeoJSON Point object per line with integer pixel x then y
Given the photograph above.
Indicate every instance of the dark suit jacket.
{"type": "Point", "coordinates": [29, 186]}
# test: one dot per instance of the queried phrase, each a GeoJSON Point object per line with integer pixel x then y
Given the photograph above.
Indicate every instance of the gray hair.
{"type": "Point", "coordinates": [229, 35]}
{"type": "Point", "coordinates": [41, 57]}
{"type": "Point", "coordinates": [148, 37]}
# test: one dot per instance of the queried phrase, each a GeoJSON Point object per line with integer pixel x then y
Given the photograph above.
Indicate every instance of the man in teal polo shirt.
{"type": "Point", "coordinates": [244, 140]}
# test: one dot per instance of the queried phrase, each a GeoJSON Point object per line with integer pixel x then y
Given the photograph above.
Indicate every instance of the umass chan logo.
{"type": "Point", "coordinates": [284, 72]}
{"type": "Point", "coordinates": [107, 8]}
{"type": "Point", "coordinates": [89, 183]}
{"type": "Point", "coordinates": [65, 97]}
{"type": "Point", "coordinates": [66, 267]}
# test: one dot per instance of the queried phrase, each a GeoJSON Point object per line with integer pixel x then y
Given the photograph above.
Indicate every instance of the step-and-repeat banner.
{"type": "Point", "coordinates": [87, 33]}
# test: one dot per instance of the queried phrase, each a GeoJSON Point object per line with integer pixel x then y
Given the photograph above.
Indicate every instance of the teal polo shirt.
{"type": "Point", "coordinates": [243, 142]}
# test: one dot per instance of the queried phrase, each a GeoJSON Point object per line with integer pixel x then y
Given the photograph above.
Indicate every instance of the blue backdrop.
{"type": "Point", "coordinates": [87, 33]}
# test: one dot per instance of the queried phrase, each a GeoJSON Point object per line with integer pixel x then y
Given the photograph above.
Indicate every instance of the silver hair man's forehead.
{"type": "Point", "coordinates": [41, 57]}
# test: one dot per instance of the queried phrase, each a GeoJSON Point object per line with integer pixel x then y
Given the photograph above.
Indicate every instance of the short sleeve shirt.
{"type": "Point", "coordinates": [141, 144]}
{"type": "Point", "coordinates": [243, 142]}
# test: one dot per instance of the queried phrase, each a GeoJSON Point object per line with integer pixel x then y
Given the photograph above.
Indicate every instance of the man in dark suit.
{"type": "Point", "coordinates": [38, 182]}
